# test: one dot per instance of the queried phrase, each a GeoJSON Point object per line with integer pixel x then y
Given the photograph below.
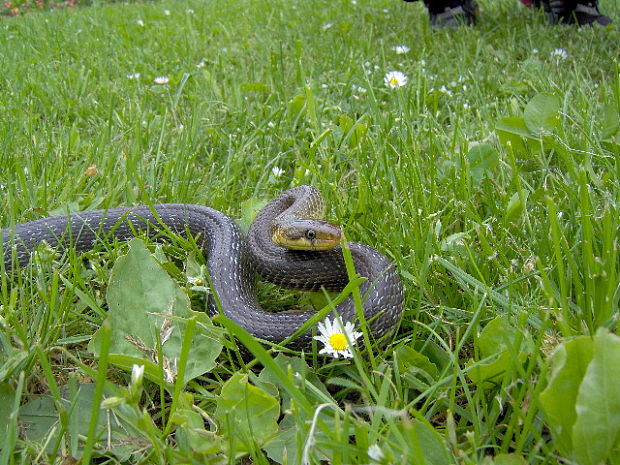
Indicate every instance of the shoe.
{"type": "Point", "coordinates": [462, 13]}
{"type": "Point", "coordinates": [582, 12]}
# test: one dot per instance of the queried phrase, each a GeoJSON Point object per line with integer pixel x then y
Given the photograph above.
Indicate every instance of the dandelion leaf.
{"type": "Point", "coordinates": [246, 414]}
{"type": "Point", "coordinates": [146, 305]}
{"type": "Point", "coordinates": [569, 362]}
{"type": "Point", "coordinates": [597, 427]}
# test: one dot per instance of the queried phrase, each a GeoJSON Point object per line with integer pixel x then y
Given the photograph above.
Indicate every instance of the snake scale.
{"type": "Point", "coordinates": [232, 260]}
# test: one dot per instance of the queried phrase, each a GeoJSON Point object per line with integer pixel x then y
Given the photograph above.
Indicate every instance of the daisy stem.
{"type": "Point", "coordinates": [357, 299]}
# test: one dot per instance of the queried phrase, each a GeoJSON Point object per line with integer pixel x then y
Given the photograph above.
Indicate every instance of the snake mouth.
{"type": "Point", "coordinates": [306, 234]}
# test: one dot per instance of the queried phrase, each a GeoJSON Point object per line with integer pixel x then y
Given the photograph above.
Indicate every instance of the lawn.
{"type": "Point", "coordinates": [490, 177]}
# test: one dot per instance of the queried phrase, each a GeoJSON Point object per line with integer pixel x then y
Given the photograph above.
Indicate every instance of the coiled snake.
{"type": "Point", "coordinates": [232, 261]}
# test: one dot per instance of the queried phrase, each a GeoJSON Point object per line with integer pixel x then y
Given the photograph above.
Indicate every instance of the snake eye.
{"type": "Point", "coordinates": [310, 234]}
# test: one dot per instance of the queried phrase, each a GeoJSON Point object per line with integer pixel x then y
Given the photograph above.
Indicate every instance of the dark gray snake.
{"type": "Point", "coordinates": [231, 260]}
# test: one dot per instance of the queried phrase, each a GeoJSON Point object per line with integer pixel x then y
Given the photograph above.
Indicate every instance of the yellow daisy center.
{"type": "Point", "coordinates": [394, 81]}
{"type": "Point", "coordinates": [338, 341]}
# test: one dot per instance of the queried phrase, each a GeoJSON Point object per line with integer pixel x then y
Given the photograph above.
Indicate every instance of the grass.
{"type": "Point", "coordinates": [509, 255]}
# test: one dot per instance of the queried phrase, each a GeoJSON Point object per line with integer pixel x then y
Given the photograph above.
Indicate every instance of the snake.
{"type": "Point", "coordinates": [288, 243]}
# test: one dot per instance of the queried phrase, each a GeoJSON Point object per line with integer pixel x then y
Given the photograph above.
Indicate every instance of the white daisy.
{"type": "Point", "coordinates": [400, 49]}
{"type": "Point", "coordinates": [167, 12]}
{"type": "Point", "coordinates": [395, 79]}
{"type": "Point", "coordinates": [140, 22]}
{"type": "Point", "coordinates": [559, 54]}
{"type": "Point", "coordinates": [133, 76]}
{"type": "Point", "coordinates": [336, 338]}
{"type": "Point", "coordinates": [375, 453]}
{"type": "Point", "coordinates": [161, 80]}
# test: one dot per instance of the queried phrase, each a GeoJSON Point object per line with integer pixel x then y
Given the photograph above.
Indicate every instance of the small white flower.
{"type": "Point", "coordinates": [133, 76]}
{"type": "Point", "coordinates": [466, 106]}
{"type": "Point", "coordinates": [140, 23]}
{"type": "Point", "coordinates": [202, 63]}
{"type": "Point", "coordinates": [358, 89]}
{"type": "Point", "coordinates": [400, 49]}
{"type": "Point", "coordinates": [326, 26]}
{"type": "Point", "coordinates": [375, 453]}
{"type": "Point", "coordinates": [337, 338]}
{"type": "Point", "coordinates": [161, 80]}
{"type": "Point", "coordinates": [277, 172]}
{"type": "Point", "coordinates": [559, 54]}
{"type": "Point", "coordinates": [395, 79]}
{"type": "Point", "coordinates": [137, 373]}
{"type": "Point", "coordinates": [167, 12]}
{"type": "Point", "coordinates": [445, 90]}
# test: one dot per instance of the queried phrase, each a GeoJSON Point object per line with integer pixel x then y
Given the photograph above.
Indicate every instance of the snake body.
{"type": "Point", "coordinates": [232, 260]}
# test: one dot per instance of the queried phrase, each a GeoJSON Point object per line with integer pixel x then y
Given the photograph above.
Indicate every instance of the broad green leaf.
{"type": "Point", "coordinates": [482, 159]}
{"type": "Point", "coordinates": [144, 301]}
{"type": "Point", "coordinates": [597, 428]}
{"type": "Point", "coordinates": [512, 130]}
{"type": "Point", "coordinates": [436, 355]}
{"type": "Point", "coordinates": [500, 339]}
{"type": "Point", "coordinates": [249, 210]}
{"type": "Point", "coordinates": [455, 244]}
{"type": "Point", "coordinates": [296, 105]}
{"type": "Point", "coordinates": [516, 206]}
{"type": "Point", "coordinates": [191, 435]}
{"type": "Point", "coordinates": [611, 121]}
{"type": "Point", "coordinates": [541, 113]}
{"type": "Point", "coordinates": [345, 122]}
{"type": "Point", "coordinates": [300, 374]}
{"type": "Point", "coordinates": [285, 446]}
{"type": "Point", "coordinates": [409, 359]}
{"type": "Point", "coordinates": [39, 421]}
{"type": "Point", "coordinates": [488, 374]}
{"type": "Point", "coordinates": [500, 334]}
{"type": "Point", "coordinates": [246, 413]}
{"type": "Point", "coordinates": [426, 441]}
{"type": "Point", "coordinates": [569, 362]}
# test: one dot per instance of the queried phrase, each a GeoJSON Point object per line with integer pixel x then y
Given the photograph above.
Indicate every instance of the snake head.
{"type": "Point", "coordinates": [306, 234]}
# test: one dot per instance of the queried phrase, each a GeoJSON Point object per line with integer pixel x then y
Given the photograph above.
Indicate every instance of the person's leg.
{"type": "Point", "coordinates": [452, 13]}
{"type": "Point", "coordinates": [582, 12]}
